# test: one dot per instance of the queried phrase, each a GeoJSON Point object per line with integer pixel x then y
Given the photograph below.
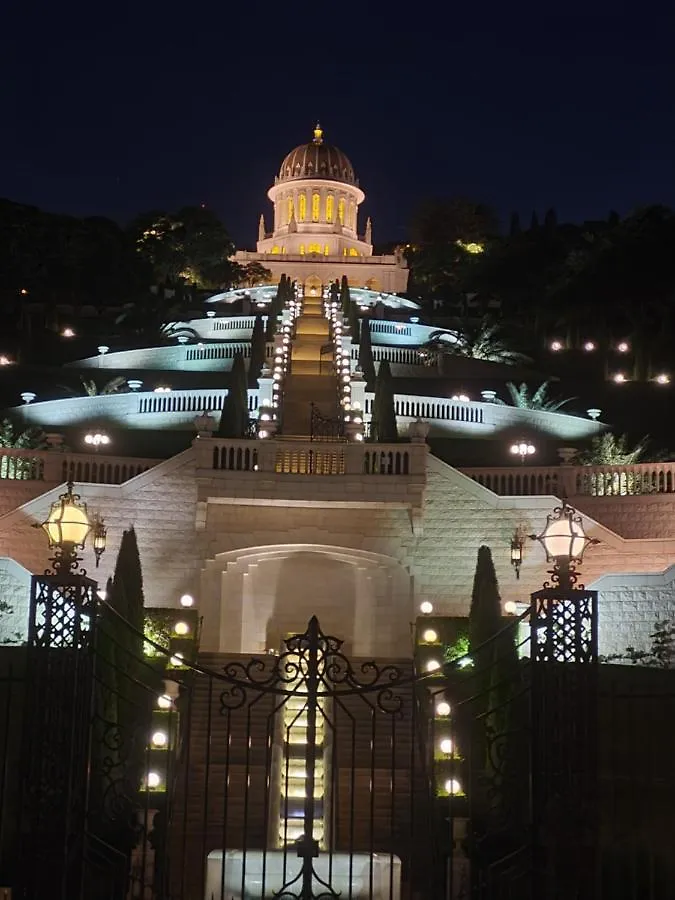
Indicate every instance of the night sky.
{"type": "Point", "coordinates": [115, 109]}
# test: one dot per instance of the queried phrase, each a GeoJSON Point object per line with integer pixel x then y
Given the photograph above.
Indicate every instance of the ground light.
{"type": "Point", "coordinates": [426, 608]}
{"type": "Point", "coordinates": [442, 709]}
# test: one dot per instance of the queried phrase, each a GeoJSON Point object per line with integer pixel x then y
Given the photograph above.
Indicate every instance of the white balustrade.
{"type": "Point", "coordinates": [57, 466]}
{"type": "Point", "coordinates": [578, 481]}
{"type": "Point", "coordinates": [311, 457]}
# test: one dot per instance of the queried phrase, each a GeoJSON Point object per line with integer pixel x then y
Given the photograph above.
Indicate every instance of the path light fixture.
{"type": "Point", "coordinates": [523, 449]}
{"type": "Point", "coordinates": [564, 541]}
{"type": "Point", "coordinates": [623, 347]}
{"type": "Point", "coordinates": [593, 413]}
{"type": "Point", "coordinates": [517, 551]}
{"type": "Point", "coordinates": [662, 378]}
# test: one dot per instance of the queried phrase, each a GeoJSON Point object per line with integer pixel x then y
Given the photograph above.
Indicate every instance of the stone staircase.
{"type": "Point", "coordinates": [312, 378]}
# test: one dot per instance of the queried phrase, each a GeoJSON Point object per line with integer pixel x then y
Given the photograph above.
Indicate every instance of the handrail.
{"type": "Point", "coordinates": [577, 481]}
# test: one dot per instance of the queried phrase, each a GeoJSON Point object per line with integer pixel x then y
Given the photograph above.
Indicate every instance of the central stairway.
{"type": "Point", "coordinates": [312, 377]}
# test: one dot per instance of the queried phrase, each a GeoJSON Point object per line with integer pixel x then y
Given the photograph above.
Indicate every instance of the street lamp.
{"type": "Point", "coordinates": [97, 439]}
{"type": "Point", "coordinates": [564, 692]}
{"type": "Point", "coordinates": [67, 528]}
{"type": "Point", "coordinates": [522, 449]}
{"type": "Point", "coordinates": [565, 541]}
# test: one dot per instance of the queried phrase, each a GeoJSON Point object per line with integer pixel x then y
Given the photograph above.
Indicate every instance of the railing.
{"type": "Point", "coordinates": [578, 481]}
{"type": "Point", "coordinates": [57, 466]}
{"type": "Point", "coordinates": [190, 401]}
{"type": "Point", "coordinates": [412, 407]}
{"type": "Point", "coordinates": [380, 327]}
{"type": "Point", "coordinates": [238, 323]}
{"type": "Point", "coordinates": [311, 458]}
{"type": "Point", "coordinates": [130, 409]}
{"type": "Point", "coordinates": [402, 355]}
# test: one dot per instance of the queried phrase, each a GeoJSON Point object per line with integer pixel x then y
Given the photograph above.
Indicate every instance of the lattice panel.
{"type": "Point", "coordinates": [564, 626]}
{"type": "Point", "coordinates": [62, 609]}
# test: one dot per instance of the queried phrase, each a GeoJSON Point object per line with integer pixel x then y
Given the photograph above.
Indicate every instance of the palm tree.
{"type": "Point", "coordinates": [482, 341]}
{"type": "Point", "coordinates": [522, 398]}
{"type": "Point", "coordinates": [91, 389]}
{"type": "Point", "coordinates": [19, 468]}
{"type": "Point", "coordinates": [611, 450]}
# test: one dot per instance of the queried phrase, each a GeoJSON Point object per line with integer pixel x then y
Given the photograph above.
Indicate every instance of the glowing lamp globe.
{"type": "Point", "coordinates": [443, 709]}
{"type": "Point", "coordinates": [563, 536]}
{"type": "Point", "coordinates": [67, 522]}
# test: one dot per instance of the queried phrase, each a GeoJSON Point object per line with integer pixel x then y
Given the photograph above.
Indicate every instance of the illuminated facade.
{"type": "Point", "coordinates": [315, 235]}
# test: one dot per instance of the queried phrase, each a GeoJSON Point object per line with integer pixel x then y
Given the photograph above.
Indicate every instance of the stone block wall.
{"type": "Point", "coordinates": [220, 547]}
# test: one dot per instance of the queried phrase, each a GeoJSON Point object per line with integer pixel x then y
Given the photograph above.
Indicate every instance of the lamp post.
{"type": "Point", "coordinates": [523, 449]}
{"type": "Point", "coordinates": [564, 666]}
{"type": "Point", "coordinates": [60, 685]}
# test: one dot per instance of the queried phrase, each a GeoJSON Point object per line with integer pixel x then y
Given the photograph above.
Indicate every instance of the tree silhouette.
{"type": "Point", "coordinates": [383, 426]}
{"type": "Point", "coordinates": [234, 417]}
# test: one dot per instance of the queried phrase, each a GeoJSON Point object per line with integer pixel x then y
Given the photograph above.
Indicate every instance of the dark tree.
{"type": "Point", "coordinates": [383, 426]}
{"type": "Point", "coordinates": [258, 351]}
{"type": "Point", "coordinates": [534, 221]}
{"type": "Point", "coordinates": [125, 690]}
{"type": "Point", "coordinates": [514, 225]}
{"type": "Point", "coordinates": [234, 417]}
{"type": "Point", "coordinates": [345, 296]}
{"type": "Point", "coordinates": [366, 354]}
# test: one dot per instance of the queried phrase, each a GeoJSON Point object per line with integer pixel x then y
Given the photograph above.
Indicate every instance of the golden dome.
{"type": "Point", "coordinates": [317, 160]}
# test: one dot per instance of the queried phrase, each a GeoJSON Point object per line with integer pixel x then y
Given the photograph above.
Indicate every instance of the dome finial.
{"type": "Point", "coordinates": [318, 133]}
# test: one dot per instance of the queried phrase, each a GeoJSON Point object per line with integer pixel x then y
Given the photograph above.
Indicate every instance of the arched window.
{"type": "Point", "coordinates": [302, 249]}
{"type": "Point", "coordinates": [352, 210]}
{"type": "Point", "coordinates": [341, 210]}
{"type": "Point", "coordinates": [325, 249]}
{"type": "Point", "coordinates": [302, 207]}
{"type": "Point", "coordinates": [290, 208]}
{"type": "Point", "coordinates": [344, 251]}
{"type": "Point", "coordinates": [330, 208]}
{"type": "Point", "coordinates": [316, 200]}
{"type": "Point", "coordinates": [283, 249]}
{"type": "Point", "coordinates": [314, 248]}
{"type": "Point", "coordinates": [353, 251]}
{"type": "Point", "coordinates": [275, 249]}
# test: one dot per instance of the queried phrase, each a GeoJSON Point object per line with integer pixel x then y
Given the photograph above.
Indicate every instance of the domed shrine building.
{"type": "Point", "coordinates": [315, 236]}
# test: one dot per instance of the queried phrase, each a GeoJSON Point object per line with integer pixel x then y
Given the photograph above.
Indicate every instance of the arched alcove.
{"type": "Point", "coordinates": [254, 597]}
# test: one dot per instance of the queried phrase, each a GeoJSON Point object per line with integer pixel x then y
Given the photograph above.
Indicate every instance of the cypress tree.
{"type": "Point", "coordinates": [125, 689]}
{"type": "Point", "coordinates": [534, 221]}
{"type": "Point", "coordinates": [366, 354]}
{"type": "Point", "coordinates": [514, 227]}
{"type": "Point", "coordinates": [354, 326]}
{"type": "Point", "coordinates": [498, 716]}
{"type": "Point", "coordinates": [334, 292]}
{"type": "Point", "coordinates": [258, 349]}
{"type": "Point", "coordinates": [485, 614]}
{"type": "Point", "coordinates": [345, 296]}
{"type": "Point", "coordinates": [234, 417]}
{"type": "Point", "coordinates": [383, 424]}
